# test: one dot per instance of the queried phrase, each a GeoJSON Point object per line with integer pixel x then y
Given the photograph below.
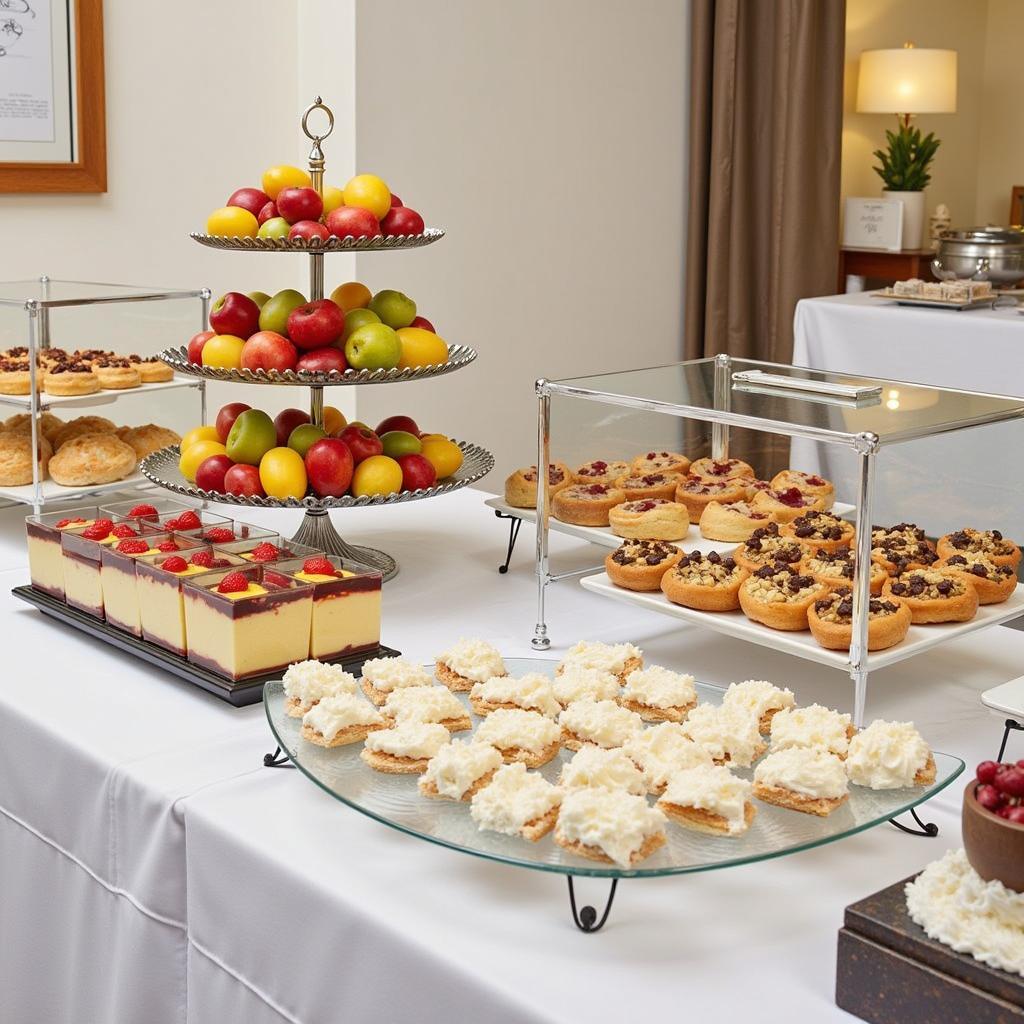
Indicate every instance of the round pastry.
{"type": "Point", "coordinates": [755, 486]}
{"type": "Point", "coordinates": [599, 472]}
{"type": "Point", "coordinates": [820, 531]}
{"type": "Point", "coordinates": [935, 595]}
{"type": "Point", "coordinates": [82, 425]}
{"type": "Point", "coordinates": [521, 486]}
{"type": "Point", "coordinates": [640, 564]}
{"type": "Point", "coordinates": [994, 583]}
{"type": "Point", "coordinates": [721, 469]}
{"type": "Point", "coordinates": [115, 373]}
{"type": "Point", "coordinates": [831, 621]}
{"type": "Point", "coordinates": [648, 485]}
{"type": "Point", "coordinates": [901, 547]}
{"type": "Point", "coordinates": [16, 459]}
{"type": "Point", "coordinates": [22, 424]}
{"type": "Point", "coordinates": [695, 493]}
{"type": "Point", "coordinates": [92, 459]}
{"type": "Point", "coordinates": [808, 483]}
{"type": "Point", "coordinates": [780, 596]}
{"type": "Point", "coordinates": [660, 462]}
{"type": "Point", "coordinates": [787, 504]}
{"type": "Point", "coordinates": [735, 522]}
{"type": "Point", "coordinates": [586, 504]}
{"type": "Point", "coordinates": [14, 377]}
{"type": "Point", "coordinates": [71, 379]}
{"type": "Point", "coordinates": [708, 583]}
{"type": "Point", "coordinates": [148, 438]}
{"type": "Point", "coordinates": [650, 519]}
{"type": "Point", "coordinates": [989, 543]}
{"type": "Point", "coordinates": [152, 369]}
{"type": "Point", "coordinates": [18, 352]}
{"type": "Point", "coordinates": [835, 569]}
{"type": "Point", "coordinates": [766, 546]}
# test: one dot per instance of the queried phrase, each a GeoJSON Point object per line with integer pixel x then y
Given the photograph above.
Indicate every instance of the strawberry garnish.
{"type": "Point", "coordinates": [174, 564]}
{"type": "Point", "coordinates": [275, 579]}
{"type": "Point", "coordinates": [143, 512]}
{"type": "Point", "coordinates": [124, 530]}
{"type": "Point", "coordinates": [219, 535]}
{"type": "Point", "coordinates": [188, 521]}
{"type": "Point", "coordinates": [132, 547]}
{"type": "Point", "coordinates": [168, 545]}
{"type": "Point", "coordinates": [62, 523]}
{"type": "Point", "coordinates": [318, 567]}
{"type": "Point", "coordinates": [233, 583]}
{"type": "Point", "coordinates": [265, 552]}
{"type": "Point", "coordinates": [219, 563]}
{"type": "Point", "coordinates": [203, 558]}
{"type": "Point", "coordinates": [98, 531]}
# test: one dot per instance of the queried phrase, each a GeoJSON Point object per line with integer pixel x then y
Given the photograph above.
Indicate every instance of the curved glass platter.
{"type": "Point", "coordinates": [395, 801]}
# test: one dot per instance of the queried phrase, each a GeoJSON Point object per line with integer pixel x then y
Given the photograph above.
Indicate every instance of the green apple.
{"type": "Point", "coordinates": [394, 309]}
{"type": "Point", "coordinates": [400, 442]}
{"type": "Point", "coordinates": [276, 227]}
{"type": "Point", "coordinates": [373, 347]}
{"type": "Point", "coordinates": [274, 314]}
{"type": "Point", "coordinates": [356, 318]}
{"type": "Point", "coordinates": [260, 298]}
{"type": "Point", "coordinates": [302, 438]}
{"type": "Point", "coordinates": [251, 436]}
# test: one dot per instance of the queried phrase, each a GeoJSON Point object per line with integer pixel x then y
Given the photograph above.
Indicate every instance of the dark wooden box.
{"type": "Point", "coordinates": [889, 972]}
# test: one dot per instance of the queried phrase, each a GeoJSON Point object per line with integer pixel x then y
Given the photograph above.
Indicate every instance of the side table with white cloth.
{"type": "Point", "coordinates": [942, 483]}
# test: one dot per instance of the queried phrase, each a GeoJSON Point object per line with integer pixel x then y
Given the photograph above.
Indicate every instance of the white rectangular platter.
{"type": "Point", "coordinates": [914, 300]}
{"type": "Point", "coordinates": [99, 398]}
{"type": "Point", "coordinates": [56, 492]}
{"type": "Point", "coordinates": [803, 645]}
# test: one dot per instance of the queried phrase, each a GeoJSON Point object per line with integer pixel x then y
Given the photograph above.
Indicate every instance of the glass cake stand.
{"type": "Point", "coordinates": [395, 801]}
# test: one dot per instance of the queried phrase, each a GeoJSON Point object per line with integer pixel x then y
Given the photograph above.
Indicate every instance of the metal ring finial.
{"type": "Point", "coordinates": [318, 104]}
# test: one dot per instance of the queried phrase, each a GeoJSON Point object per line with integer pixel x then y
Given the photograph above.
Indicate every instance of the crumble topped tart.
{"type": "Point", "coordinates": [831, 621]}
{"type": "Point", "coordinates": [836, 568]}
{"type": "Point", "coordinates": [779, 596]}
{"type": "Point", "coordinates": [707, 582]}
{"type": "Point", "coordinates": [820, 530]}
{"type": "Point", "coordinates": [935, 595]}
{"type": "Point", "coordinates": [990, 543]}
{"type": "Point", "coordinates": [641, 564]}
{"type": "Point", "coordinates": [766, 546]}
{"type": "Point", "coordinates": [994, 583]}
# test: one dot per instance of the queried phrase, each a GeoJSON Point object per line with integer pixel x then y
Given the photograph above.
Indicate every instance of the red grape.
{"type": "Point", "coordinates": [1011, 781]}
{"type": "Point", "coordinates": [1015, 814]}
{"type": "Point", "coordinates": [986, 771]}
{"type": "Point", "coordinates": [989, 797]}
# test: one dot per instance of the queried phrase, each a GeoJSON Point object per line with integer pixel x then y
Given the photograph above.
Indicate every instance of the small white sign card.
{"type": "Point", "coordinates": [873, 224]}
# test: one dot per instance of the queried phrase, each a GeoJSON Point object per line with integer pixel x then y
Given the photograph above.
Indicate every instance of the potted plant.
{"type": "Point", "coordinates": [904, 173]}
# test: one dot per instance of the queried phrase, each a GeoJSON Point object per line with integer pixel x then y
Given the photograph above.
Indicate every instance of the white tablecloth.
{"type": "Point", "coordinates": [972, 477]}
{"type": "Point", "coordinates": [151, 869]}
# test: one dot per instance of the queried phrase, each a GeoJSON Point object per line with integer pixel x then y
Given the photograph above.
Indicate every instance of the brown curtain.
{"type": "Point", "coordinates": [766, 110]}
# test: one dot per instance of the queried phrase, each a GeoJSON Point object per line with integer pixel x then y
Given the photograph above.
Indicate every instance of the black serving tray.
{"type": "Point", "coordinates": [240, 694]}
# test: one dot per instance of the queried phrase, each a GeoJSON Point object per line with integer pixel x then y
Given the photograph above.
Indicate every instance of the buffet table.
{"type": "Point", "coordinates": [976, 350]}
{"type": "Point", "coordinates": [153, 869]}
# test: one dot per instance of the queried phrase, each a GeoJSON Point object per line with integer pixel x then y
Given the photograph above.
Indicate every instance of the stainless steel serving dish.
{"type": "Point", "coordinates": [985, 254]}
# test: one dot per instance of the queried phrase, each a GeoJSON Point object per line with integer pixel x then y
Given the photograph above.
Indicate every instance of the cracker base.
{"type": "Point", "coordinates": [780, 797]}
{"type": "Point", "coordinates": [650, 844]}
{"type": "Point", "coordinates": [698, 819]}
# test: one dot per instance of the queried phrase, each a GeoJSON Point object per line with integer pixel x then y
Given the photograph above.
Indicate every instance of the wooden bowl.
{"type": "Point", "coordinates": [995, 846]}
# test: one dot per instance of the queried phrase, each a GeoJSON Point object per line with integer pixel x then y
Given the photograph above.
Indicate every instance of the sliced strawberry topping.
{"type": "Point", "coordinates": [265, 552]}
{"type": "Point", "coordinates": [124, 530]}
{"type": "Point", "coordinates": [169, 545]}
{"type": "Point", "coordinates": [276, 579]}
{"type": "Point", "coordinates": [203, 558]}
{"type": "Point", "coordinates": [188, 521]}
{"type": "Point", "coordinates": [318, 567]}
{"type": "Point", "coordinates": [219, 534]}
{"type": "Point", "coordinates": [132, 547]}
{"type": "Point", "coordinates": [233, 583]}
{"type": "Point", "coordinates": [143, 512]}
{"type": "Point", "coordinates": [98, 530]}
{"type": "Point", "coordinates": [68, 522]}
{"type": "Point", "coordinates": [174, 564]}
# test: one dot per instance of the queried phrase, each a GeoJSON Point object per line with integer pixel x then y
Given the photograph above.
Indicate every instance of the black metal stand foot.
{"type": "Point", "coordinates": [586, 918]}
{"type": "Point", "coordinates": [278, 759]}
{"type": "Point", "coordinates": [513, 533]}
{"type": "Point", "coordinates": [1011, 725]}
{"type": "Point", "coordinates": [927, 829]}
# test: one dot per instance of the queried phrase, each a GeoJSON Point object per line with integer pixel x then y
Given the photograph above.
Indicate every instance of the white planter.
{"type": "Point", "coordinates": [913, 217]}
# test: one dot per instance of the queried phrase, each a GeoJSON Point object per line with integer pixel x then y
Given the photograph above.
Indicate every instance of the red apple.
{"type": "Point", "coordinates": [423, 323]}
{"type": "Point", "coordinates": [251, 199]}
{"type": "Point", "coordinates": [362, 442]}
{"type": "Point", "coordinates": [235, 313]}
{"type": "Point", "coordinates": [329, 466]}
{"type": "Point", "coordinates": [417, 472]}
{"type": "Point", "coordinates": [406, 423]}
{"type": "Point", "coordinates": [395, 201]}
{"type": "Point", "coordinates": [308, 229]}
{"type": "Point", "coordinates": [323, 360]}
{"type": "Point", "coordinates": [268, 350]}
{"type": "Point", "coordinates": [211, 472]}
{"type": "Point", "coordinates": [195, 346]}
{"type": "Point", "coordinates": [242, 479]}
{"type": "Point", "coordinates": [316, 324]}
{"type": "Point", "coordinates": [267, 212]}
{"type": "Point", "coordinates": [353, 220]}
{"type": "Point", "coordinates": [402, 220]}
{"type": "Point", "coordinates": [226, 418]}
{"type": "Point", "coordinates": [295, 204]}
{"type": "Point", "coordinates": [286, 421]}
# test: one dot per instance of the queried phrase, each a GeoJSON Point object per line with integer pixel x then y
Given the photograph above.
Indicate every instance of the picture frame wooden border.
{"type": "Point", "coordinates": [89, 172]}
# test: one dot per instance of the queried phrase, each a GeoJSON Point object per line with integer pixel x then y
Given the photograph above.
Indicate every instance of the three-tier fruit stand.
{"type": "Point", "coordinates": [317, 530]}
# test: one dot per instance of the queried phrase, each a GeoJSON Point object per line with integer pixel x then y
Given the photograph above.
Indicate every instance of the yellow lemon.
{"type": "Point", "coordinates": [283, 473]}
{"type": "Point", "coordinates": [197, 434]}
{"type": "Point", "coordinates": [223, 350]}
{"type": "Point", "coordinates": [368, 192]}
{"type": "Point", "coordinates": [444, 455]}
{"type": "Point", "coordinates": [196, 453]}
{"type": "Point", "coordinates": [333, 198]}
{"type": "Point", "coordinates": [377, 475]}
{"type": "Point", "coordinates": [421, 348]}
{"type": "Point", "coordinates": [232, 222]}
{"type": "Point", "coordinates": [283, 176]}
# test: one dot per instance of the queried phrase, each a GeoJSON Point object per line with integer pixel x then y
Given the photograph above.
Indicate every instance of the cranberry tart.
{"type": "Point", "coordinates": [787, 504]}
{"type": "Point", "coordinates": [695, 493]}
{"type": "Point", "coordinates": [809, 483]}
{"type": "Point", "coordinates": [990, 543]}
{"type": "Point", "coordinates": [586, 504]}
{"type": "Point", "coordinates": [640, 564]}
{"type": "Point", "coordinates": [766, 546]}
{"type": "Point", "coordinates": [599, 472]}
{"type": "Point", "coordinates": [721, 469]}
{"type": "Point", "coordinates": [835, 569]}
{"type": "Point", "coordinates": [521, 486]}
{"type": "Point", "coordinates": [935, 595]}
{"type": "Point", "coordinates": [650, 519]}
{"type": "Point", "coordinates": [731, 523]}
{"type": "Point", "coordinates": [831, 621]}
{"type": "Point", "coordinates": [780, 596]}
{"type": "Point", "coordinates": [901, 547]}
{"type": "Point", "coordinates": [660, 462]}
{"type": "Point", "coordinates": [994, 583]}
{"type": "Point", "coordinates": [648, 485]}
{"type": "Point", "coordinates": [820, 531]}
{"type": "Point", "coordinates": [708, 583]}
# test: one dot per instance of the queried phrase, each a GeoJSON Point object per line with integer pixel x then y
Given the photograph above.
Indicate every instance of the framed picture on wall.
{"type": "Point", "coordinates": [52, 108]}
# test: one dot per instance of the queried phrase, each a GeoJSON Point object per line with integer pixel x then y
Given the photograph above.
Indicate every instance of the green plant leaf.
{"type": "Point", "coordinates": [903, 167]}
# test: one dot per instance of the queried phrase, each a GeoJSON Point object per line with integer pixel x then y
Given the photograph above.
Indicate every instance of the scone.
{"type": "Point", "coordinates": [519, 736]}
{"type": "Point", "coordinates": [788, 504]}
{"type": "Point", "coordinates": [16, 459]}
{"type": "Point", "coordinates": [521, 486]}
{"type": "Point", "coordinates": [657, 694]}
{"type": "Point", "coordinates": [405, 749]}
{"type": "Point", "coordinates": [994, 583]}
{"type": "Point", "coordinates": [82, 425]}
{"type": "Point", "coordinates": [759, 698]}
{"type": "Point", "coordinates": [660, 462]}
{"type": "Point", "coordinates": [459, 770]}
{"type": "Point", "coordinates": [721, 469]}
{"type": "Point", "coordinates": [813, 726]}
{"type": "Point", "coordinates": [731, 523]}
{"type": "Point", "coordinates": [779, 597]}
{"type": "Point", "coordinates": [21, 423]}
{"type": "Point", "coordinates": [609, 826]}
{"type": "Point", "coordinates": [617, 659]}
{"type": "Point", "coordinates": [597, 768]}
{"type": "Point", "coordinates": [530, 692]}
{"type": "Point", "coordinates": [809, 483]}
{"type": "Point", "coordinates": [638, 487]}
{"type": "Point", "coordinates": [516, 803]}
{"type": "Point", "coordinates": [708, 799]}
{"type": "Point", "coordinates": [831, 621]}
{"type": "Point", "coordinates": [341, 719]}
{"type": "Point", "coordinates": [695, 493]}
{"type": "Point", "coordinates": [890, 755]}
{"type": "Point", "coordinates": [836, 570]}
{"type": "Point", "coordinates": [381, 676]}
{"type": "Point", "coordinates": [820, 531]}
{"type": "Point", "coordinates": [650, 519]}
{"type": "Point", "coordinates": [663, 750]}
{"type": "Point", "coordinates": [308, 682]}
{"type": "Point", "coordinates": [990, 543]}
{"type": "Point", "coordinates": [641, 564]}
{"type": "Point", "coordinates": [586, 504]}
{"type": "Point", "coordinates": [432, 704]}
{"type": "Point", "coordinates": [709, 583]}
{"type": "Point", "coordinates": [599, 472]}
{"type": "Point", "coordinates": [805, 779]}
{"type": "Point", "coordinates": [467, 662]}
{"type": "Point", "coordinates": [934, 595]}
{"type": "Point", "coordinates": [601, 722]}
{"type": "Point", "coordinates": [728, 732]}
{"type": "Point", "coordinates": [148, 438]}
{"type": "Point", "coordinates": [766, 546]}
{"type": "Point", "coordinates": [92, 459]}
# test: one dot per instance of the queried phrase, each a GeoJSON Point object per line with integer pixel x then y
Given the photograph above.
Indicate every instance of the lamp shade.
{"type": "Point", "coordinates": [907, 81]}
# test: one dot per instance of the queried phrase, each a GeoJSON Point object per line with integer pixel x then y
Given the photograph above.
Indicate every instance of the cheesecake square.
{"type": "Point", "coordinates": [268, 549]}
{"type": "Point", "coordinates": [145, 509]}
{"type": "Point", "coordinates": [346, 604]}
{"type": "Point", "coordinates": [247, 621]}
{"type": "Point", "coordinates": [80, 548]}
{"type": "Point", "coordinates": [42, 534]}
{"type": "Point", "coordinates": [231, 531]}
{"type": "Point", "coordinates": [195, 522]}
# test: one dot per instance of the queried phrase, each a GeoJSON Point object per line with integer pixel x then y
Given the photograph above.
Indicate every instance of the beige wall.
{"type": "Point", "coordinates": [548, 139]}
